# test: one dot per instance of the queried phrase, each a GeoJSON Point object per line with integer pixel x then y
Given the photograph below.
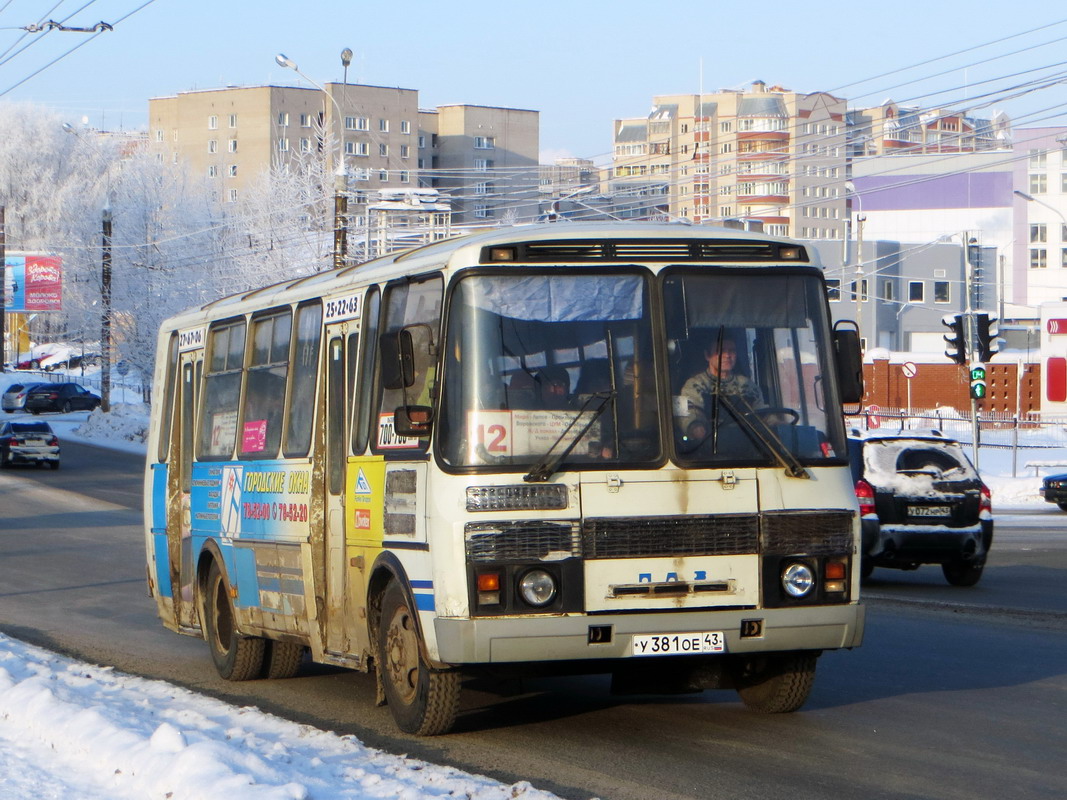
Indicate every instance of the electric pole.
{"type": "Point", "coordinates": [105, 323]}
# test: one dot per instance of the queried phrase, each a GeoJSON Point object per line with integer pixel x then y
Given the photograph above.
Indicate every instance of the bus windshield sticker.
{"type": "Point", "coordinates": [191, 339]}
{"type": "Point", "coordinates": [389, 439]}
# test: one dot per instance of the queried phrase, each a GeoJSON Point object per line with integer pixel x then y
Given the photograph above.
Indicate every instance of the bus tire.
{"type": "Point", "coordinates": [423, 702]}
{"type": "Point", "coordinates": [777, 683]}
{"type": "Point", "coordinates": [236, 657]}
{"type": "Point", "coordinates": [282, 659]}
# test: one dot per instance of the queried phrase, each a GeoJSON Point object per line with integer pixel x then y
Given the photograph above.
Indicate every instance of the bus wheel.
{"type": "Point", "coordinates": [236, 657]}
{"type": "Point", "coordinates": [282, 659]}
{"type": "Point", "coordinates": [775, 684]}
{"type": "Point", "coordinates": [422, 701]}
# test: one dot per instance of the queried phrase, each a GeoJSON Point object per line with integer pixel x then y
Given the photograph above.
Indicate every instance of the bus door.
{"type": "Point", "coordinates": [191, 365]}
{"type": "Point", "coordinates": [337, 412]}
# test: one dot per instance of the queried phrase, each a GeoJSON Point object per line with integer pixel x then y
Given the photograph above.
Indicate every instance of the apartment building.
{"type": "Point", "coordinates": [1039, 242]}
{"type": "Point", "coordinates": [485, 161]}
{"type": "Point", "coordinates": [768, 154]}
{"type": "Point", "coordinates": [478, 156]}
{"type": "Point", "coordinates": [891, 129]}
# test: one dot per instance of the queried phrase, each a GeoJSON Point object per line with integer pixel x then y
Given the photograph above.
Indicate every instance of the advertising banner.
{"type": "Point", "coordinates": [33, 283]}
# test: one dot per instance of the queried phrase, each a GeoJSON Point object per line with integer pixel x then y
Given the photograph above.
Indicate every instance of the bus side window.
{"type": "Point", "coordinates": [368, 361]}
{"type": "Point", "coordinates": [302, 379]}
{"type": "Point", "coordinates": [222, 390]}
{"type": "Point", "coordinates": [415, 305]}
{"type": "Point", "coordinates": [168, 397]}
{"type": "Point", "coordinates": [264, 397]}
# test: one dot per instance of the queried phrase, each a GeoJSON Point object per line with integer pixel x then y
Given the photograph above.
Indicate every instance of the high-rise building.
{"type": "Point", "coordinates": [891, 129]}
{"type": "Point", "coordinates": [768, 154]}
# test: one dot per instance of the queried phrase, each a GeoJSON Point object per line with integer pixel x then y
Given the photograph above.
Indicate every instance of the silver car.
{"type": "Point", "coordinates": [14, 398]}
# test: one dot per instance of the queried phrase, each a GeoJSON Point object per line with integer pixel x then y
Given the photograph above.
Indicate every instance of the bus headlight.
{"type": "Point", "coordinates": [537, 587]}
{"type": "Point", "coordinates": [797, 579]}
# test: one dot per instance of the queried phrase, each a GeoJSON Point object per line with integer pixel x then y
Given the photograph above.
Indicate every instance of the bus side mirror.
{"type": "Point", "coordinates": [413, 420]}
{"type": "Point", "coordinates": [398, 360]}
{"type": "Point", "coordinates": [849, 360]}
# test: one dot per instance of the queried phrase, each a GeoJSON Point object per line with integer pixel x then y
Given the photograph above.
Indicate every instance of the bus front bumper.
{"type": "Point", "coordinates": [578, 637]}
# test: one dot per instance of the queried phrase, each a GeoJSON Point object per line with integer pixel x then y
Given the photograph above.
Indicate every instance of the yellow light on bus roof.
{"type": "Point", "coordinates": [502, 254]}
{"type": "Point", "coordinates": [790, 253]}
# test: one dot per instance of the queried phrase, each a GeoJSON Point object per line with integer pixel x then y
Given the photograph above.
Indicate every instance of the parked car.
{"type": "Point", "coordinates": [1053, 489]}
{"type": "Point", "coordinates": [921, 502]}
{"type": "Point", "coordinates": [28, 443]}
{"type": "Point", "coordinates": [60, 397]}
{"type": "Point", "coordinates": [14, 398]}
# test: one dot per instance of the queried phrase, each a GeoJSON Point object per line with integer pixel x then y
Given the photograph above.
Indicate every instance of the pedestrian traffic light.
{"type": "Point", "coordinates": [978, 385]}
{"type": "Point", "coordinates": [986, 325]}
{"type": "Point", "coordinates": [957, 340]}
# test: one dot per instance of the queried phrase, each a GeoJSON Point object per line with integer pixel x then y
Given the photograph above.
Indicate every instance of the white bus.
{"type": "Point", "coordinates": [611, 448]}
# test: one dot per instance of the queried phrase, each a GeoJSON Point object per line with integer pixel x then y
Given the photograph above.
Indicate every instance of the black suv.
{"type": "Point", "coordinates": [60, 397]}
{"type": "Point", "coordinates": [921, 502]}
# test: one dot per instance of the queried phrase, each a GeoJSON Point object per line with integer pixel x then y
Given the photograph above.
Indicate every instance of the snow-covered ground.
{"type": "Point", "coordinates": [70, 729]}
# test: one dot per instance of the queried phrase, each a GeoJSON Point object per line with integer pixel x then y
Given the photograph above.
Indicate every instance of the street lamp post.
{"type": "Point", "coordinates": [340, 195]}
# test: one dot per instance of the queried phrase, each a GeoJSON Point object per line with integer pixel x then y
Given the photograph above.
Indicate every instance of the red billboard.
{"type": "Point", "coordinates": [33, 283]}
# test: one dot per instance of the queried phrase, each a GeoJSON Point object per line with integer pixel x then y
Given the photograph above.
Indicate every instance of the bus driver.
{"type": "Point", "coordinates": [717, 379]}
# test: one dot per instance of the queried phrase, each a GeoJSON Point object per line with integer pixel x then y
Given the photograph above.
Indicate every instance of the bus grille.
{"type": "Point", "coordinates": [633, 537]}
{"type": "Point", "coordinates": [816, 533]}
{"type": "Point", "coordinates": [521, 541]}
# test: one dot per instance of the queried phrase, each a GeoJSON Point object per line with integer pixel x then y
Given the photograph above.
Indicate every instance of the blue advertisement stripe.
{"type": "Point", "coordinates": [424, 602]}
{"type": "Point", "coordinates": [422, 584]}
{"type": "Point", "coordinates": [162, 565]}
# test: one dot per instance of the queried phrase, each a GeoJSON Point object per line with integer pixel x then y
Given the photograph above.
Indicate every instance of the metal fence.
{"type": "Point", "coordinates": [1032, 437]}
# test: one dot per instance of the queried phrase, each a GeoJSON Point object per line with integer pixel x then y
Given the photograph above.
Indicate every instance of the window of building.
{"type": "Point", "coordinates": [484, 142]}
{"type": "Point", "coordinates": [887, 291]}
{"type": "Point", "coordinates": [383, 150]}
{"type": "Point", "coordinates": [159, 135]}
{"type": "Point", "coordinates": [1063, 182]}
{"type": "Point", "coordinates": [422, 141]}
{"type": "Point", "coordinates": [232, 145]}
{"type": "Point", "coordinates": [360, 148]}
{"type": "Point", "coordinates": [233, 195]}
{"type": "Point", "coordinates": [405, 126]}
{"type": "Point", "coordinates": [482, 211]}
{"type": "Point", "coordinates": [833, 290]}
{"type": "Point", "coordinates": [405, 176]}
{"type": "Point", "coordinates": [726, 147]}
{"type": "Point", "coordinates": [212, 171]}
{"type": "Point", "coordinates": [1038, 258]}
{"type": "Point", "coordinates": [233, 120]}
{"type": "Point", "coordinates": [1038, 233]}
{"type": "Point", "coordinates": [405, 151]}
{"type": "Point", "coordinates": [1038, 184]}
{"type": "Point", "coordinates": [1038, 159]}
{"type": "Point", "coordinates": [942, 292]}
{"type": "Point", "coordinates": [383, 175]}
{"type": "Point", "coordinates": [305, 145]}
{"type": "Point", "coordinates": [350, 123]}
{"type": "Point", "coordinates": [212, 122]}
{"type": "Point", "coordinates": [283, 145]}
{"type": "Point", "coordinates": [383, 125]}
{"type": "Point", "coordinates": [305, 120]}
{"type": "Point", "coordinates": [725, 127]}
{"type": "Point", "coordinates": [283, 118]}
{"type": "Point", "coordinates": [917, 291]}
{"type": "Point", "coordinates": [483, 164]}
{"type": "Point", "coordinates": [233, 170]}
{"type": "Point", "coordinates": [481, 188]}
{"type": "Point", "coordinates": [212, 145]}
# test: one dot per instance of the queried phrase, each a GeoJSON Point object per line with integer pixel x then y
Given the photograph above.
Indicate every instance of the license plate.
{"type": "Point", "coordinates": [929, 511]}
{"type": "Point", "coordinates": [677, 644]}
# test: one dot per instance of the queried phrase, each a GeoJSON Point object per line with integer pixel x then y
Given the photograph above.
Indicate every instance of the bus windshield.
{"type": "Point", "coordinates": [559, 369]}
{"type": "Point", "coordinates": [749, 367]}
{"type": "Point", "coordinates": [540, 363]}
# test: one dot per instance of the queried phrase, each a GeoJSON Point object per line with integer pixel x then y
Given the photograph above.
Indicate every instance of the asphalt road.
{"type": "Point", "coordinates": [956, 693]}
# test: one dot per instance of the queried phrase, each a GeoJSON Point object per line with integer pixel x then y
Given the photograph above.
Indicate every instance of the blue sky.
{"type": "Point", "coordinates": [581, 63]}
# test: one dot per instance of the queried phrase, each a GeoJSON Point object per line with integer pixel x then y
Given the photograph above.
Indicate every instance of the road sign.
{"type": "Point", "coordinates": [909, 369]}
{"type": "Point", "coordinates": [873, 420]}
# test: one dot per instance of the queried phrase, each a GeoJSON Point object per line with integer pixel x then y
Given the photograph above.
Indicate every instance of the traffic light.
{"type": "Point", "coordinates": [957, 339]}
{"type": "Point", "coordinates": [986, 325]}
{"type": "Point", "coordinates": [978, 386]}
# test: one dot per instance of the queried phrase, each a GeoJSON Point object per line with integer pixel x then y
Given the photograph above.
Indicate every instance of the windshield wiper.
{"type": "Point", "coordinates": [543, 469]}
{"type": "Point", "coordinates": [763, 434]}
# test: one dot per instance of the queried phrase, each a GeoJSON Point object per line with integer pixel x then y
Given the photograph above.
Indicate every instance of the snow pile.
{"type": "Point", "coordinates": [69, 729]}
{"type": "Point", "coordinates": [124, 423]}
